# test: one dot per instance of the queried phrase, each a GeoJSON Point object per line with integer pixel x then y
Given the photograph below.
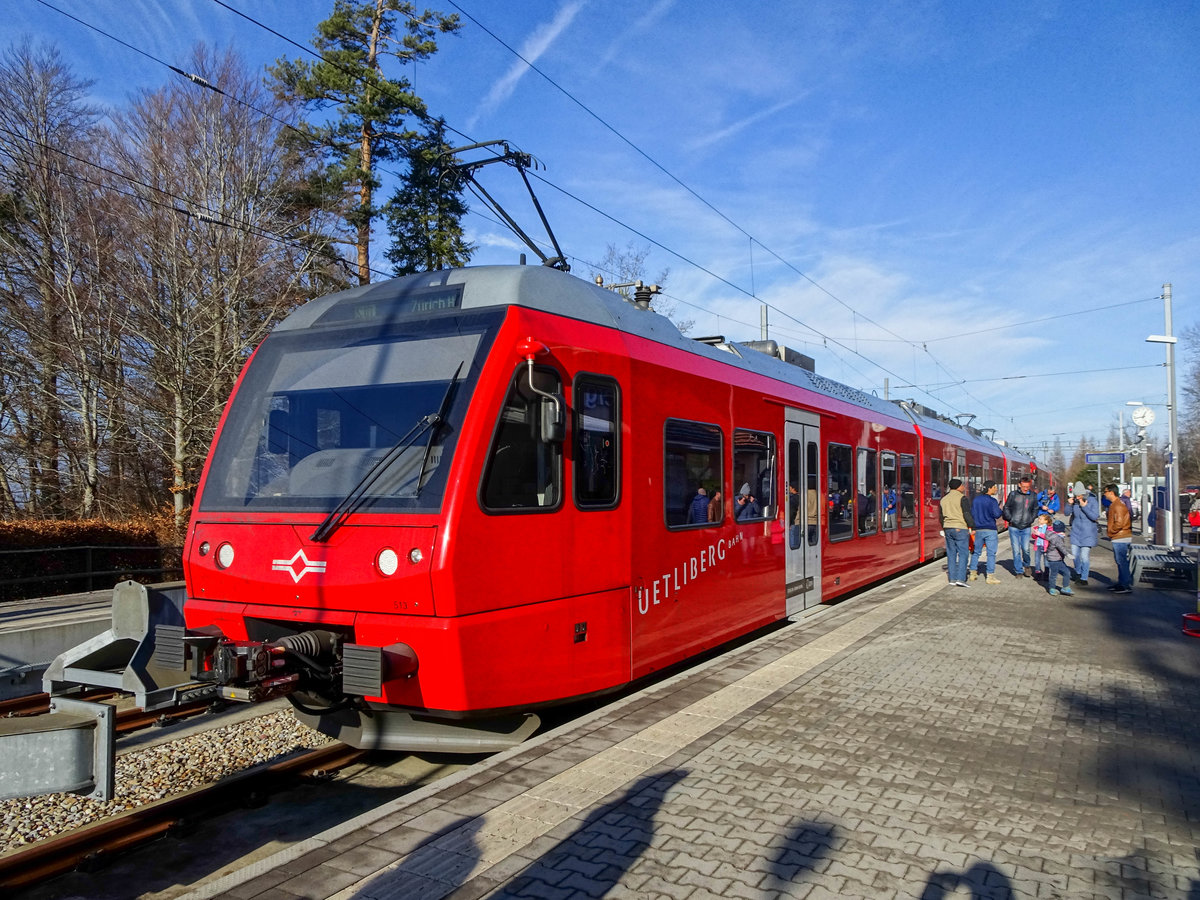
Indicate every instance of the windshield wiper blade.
{"type": "Point", "coordinates": [340, 513]}
{"type": "Point", "coordinates": [443, 411]}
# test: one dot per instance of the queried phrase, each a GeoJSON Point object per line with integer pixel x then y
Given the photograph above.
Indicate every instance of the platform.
{"type": "Point", "coordinates": [33, 632]}
{"type": "Point", "coordinates": [919, 740]}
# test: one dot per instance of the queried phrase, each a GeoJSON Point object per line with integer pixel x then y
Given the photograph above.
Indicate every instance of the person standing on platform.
{"type": "Point", "coordinates": [1020, 510]}
{"type": "Point", "coordinates": [1048, 502]}
{"type": "Point", "coordinates": [1056, 561]}
{"type": "Point", "coordinates": [985, 511]}
{"type": "Point", "coordinates": [1120, 532]}
{"type": "Point", "coordinates": [957, 525]}
{"type": "Point", "coordinates": [1084, 510]}
{"type": "Point", "coordinates": [1039, 541]}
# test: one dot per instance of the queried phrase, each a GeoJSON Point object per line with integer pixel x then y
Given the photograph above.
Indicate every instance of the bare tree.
{"type": "Point", "coordinates": [211, 255]}
{"type": "Point", "coordinates": [624, 266]}
{"type": "Point", "coordinates": [44, 126]}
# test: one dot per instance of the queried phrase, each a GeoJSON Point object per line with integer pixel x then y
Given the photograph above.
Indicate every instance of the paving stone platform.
{"type": "Point", "coordinates": [916, 741]}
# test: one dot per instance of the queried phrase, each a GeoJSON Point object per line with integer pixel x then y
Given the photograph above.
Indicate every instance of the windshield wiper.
{"type": "Point", "coordinates": [340, 513]}
{"type": "Point", "coordinates": [441, 414]}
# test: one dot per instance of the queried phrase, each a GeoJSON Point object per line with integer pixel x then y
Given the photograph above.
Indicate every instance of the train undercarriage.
{"type": "Point", "coordinates": [150, 654]}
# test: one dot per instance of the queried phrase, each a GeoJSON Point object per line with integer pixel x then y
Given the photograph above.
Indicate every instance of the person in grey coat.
{"type": "Point", "coordinates": [1085, 534]}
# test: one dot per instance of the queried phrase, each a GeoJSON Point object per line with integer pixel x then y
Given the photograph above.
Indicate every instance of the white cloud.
{"type": "Point", "coordinates": [533, 48]}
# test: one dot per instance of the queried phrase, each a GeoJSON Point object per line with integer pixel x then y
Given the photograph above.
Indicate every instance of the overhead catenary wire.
{"type": "Point", "coordinates": [750, 293]}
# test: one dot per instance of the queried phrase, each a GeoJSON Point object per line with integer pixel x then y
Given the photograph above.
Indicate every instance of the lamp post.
{"type": "Point", "coordinates": [1172, 473]}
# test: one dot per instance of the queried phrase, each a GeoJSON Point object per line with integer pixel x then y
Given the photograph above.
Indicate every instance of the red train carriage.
{"type": "Point", "coordinates": [439, 502]}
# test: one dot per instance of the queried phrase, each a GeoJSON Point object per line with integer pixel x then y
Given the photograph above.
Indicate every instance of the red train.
{"type": "Point", "coordinates": [437, 503]}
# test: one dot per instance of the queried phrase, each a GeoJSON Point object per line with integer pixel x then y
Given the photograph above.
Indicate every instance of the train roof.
{"type": "Point", "coordinates": [553, 291]}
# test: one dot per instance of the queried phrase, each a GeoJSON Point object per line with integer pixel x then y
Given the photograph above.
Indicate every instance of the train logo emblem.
{"type": "Point", "coordinates": [306, 565]}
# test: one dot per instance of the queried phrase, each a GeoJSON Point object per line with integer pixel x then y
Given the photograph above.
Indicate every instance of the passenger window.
{"type": "Point", "coordinates": [597, 446]}
{"type": "Point", "coordinates": [889, 496]}
{"type": "Point", "coordinates": [753, 475]}
{"type": "Point", "coordinates": [867, 501]}
{"type": "Point", "coordinates": [793, 496]}
{"type": "Point", "coordinates": [812, 512]}
{"type": "Point", "coordinates": [524, 471]}
{"type": "Point", "coordinates": [841, 493]}
{"type": "Point", "coordinates": [908, 512]}
{"type": "Point", "coordinates": [693, 453]}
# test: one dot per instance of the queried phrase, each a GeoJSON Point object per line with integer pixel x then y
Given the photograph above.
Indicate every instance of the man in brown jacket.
{"type": "Point", "coordinates": [1120, 532]}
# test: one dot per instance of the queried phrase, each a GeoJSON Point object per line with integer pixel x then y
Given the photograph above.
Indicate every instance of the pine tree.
{"type": "Point", "coordinates": [369, 112]}
{"type": "Point", "coordinates": [424, 214]}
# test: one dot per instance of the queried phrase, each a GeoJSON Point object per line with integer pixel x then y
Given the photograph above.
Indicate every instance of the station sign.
{"type": "Point", "coordinates": [1104, 459]}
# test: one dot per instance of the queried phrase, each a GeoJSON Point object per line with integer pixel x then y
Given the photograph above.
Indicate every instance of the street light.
{"type": "Point", "coordinates": [1172, 524]}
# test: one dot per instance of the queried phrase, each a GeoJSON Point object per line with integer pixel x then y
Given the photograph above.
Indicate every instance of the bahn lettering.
{"type": "Point", "coordinates": [681, 576]}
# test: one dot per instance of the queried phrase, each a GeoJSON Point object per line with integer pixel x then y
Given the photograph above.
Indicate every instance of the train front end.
{"type": "Point", "coordinates": [322, 513]}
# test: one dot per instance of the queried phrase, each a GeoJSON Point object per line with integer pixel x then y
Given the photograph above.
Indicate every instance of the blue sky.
{"type": "Point", "coordinates": [912, 188]}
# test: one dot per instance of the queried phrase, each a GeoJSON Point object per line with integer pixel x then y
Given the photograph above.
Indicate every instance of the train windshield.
{"type": "Point", "coordinates": [320, 410]}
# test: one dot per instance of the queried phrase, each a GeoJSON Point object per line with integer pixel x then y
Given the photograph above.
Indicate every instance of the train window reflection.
{"type": "Point", "coordinates": [889, 496]}
{"type": "Point", "coordinates": [524, 471]}
{"type": "Point", "coordinates": [753, 474]}
{"type": "Point", "coordinates": [908, 513]}
{"type": "Point", "coordinates": [812, 513]}
{"type": "Point", "coordinates": [840, 497]}
{"type": "Point", "coordinates": [597, 434]}
{"type": "Point", "coordinates": [867, 500]}
{"type": "Point", "coordinates": [693, 454]}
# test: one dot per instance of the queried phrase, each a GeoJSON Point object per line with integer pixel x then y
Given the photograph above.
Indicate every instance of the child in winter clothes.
{"type": "Point", "coordinates": [1038, 540]}
{"type": "Point", "coordinates": [1056, 560]}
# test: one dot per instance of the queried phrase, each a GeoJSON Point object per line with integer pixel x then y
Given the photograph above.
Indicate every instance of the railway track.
{"type": "Point", "coordinates": [91, 846]}
{"type": "Point", "coordinates": [127, 719]}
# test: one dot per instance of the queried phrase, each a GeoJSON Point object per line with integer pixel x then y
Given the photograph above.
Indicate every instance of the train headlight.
{"type": "Point", "coordinates": [387, 561]}
{"type": "Point", "coordinates": [205, 547]}
{"type": "Point", "coordinates": [225, 556]}
{"type": "Point", "coordinates": [415, 555]}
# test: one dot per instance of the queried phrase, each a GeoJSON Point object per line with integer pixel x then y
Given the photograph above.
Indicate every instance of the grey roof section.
{"type": "Point", "coordinates": [962, 436]}
{"type": "Point", "coordinates": [553, 291]}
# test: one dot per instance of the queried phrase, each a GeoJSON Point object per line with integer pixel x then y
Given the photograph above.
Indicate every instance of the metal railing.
{"type": "Point", "coordinates": [86, 567]}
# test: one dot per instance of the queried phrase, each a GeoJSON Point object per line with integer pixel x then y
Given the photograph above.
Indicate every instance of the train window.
{"type": "Point", "coordinates": [937, 482]}
{"type": "Point", "coordinates": [889, 496]}
{"type": "Point", "coordinates": [908, 512]}
{"type": "Point", "coordinates": [841, 493]}
{"type": "Point", "coordinates": [867, 501]}
{"type": "Point", "coordinates": [693, 453]}
{"type": "Point", "coordinates": [813, 511]}
{"type": "Point", "coordinates": [754, 472]}
{"type": "Point", "coordinates": [961, 471]}
{"type": "Point", "coordinates": [975, 481]}
{"type": "Point", "coordinates": [597, 433]}
{"type": "Point", "coordinates": [524, 472]}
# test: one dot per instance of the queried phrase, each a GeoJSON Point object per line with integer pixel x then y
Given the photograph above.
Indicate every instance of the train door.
{"type": "Point", "coordinates": [801, 435]}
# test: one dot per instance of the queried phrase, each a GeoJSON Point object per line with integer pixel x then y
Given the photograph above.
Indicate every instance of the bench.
{"type": "Point", "coordinates": [1163, 567]}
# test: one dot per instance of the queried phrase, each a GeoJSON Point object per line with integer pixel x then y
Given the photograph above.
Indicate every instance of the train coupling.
{"type": "Point", "coordinates": [148, 652]}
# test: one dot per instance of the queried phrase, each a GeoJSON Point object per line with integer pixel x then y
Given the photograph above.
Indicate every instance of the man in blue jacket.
{"type": "Point", "coordinates": [1085, 534]}
{"type": "Point", "coordinates": [985, 511]}
{"type": "Point", "coordinates": [1048, 502]}
{"type": "Point", "coordinates": [1020, 510]}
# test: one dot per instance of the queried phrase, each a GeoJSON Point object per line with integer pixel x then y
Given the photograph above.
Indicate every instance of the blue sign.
{"type": "Point", "coordinates": [1104, 459]}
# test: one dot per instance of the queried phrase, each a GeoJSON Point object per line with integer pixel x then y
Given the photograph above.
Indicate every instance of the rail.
{"type": "Point", "coordinates": [85, 576]}
{"type": "Point", "coordinates": [54, 856]}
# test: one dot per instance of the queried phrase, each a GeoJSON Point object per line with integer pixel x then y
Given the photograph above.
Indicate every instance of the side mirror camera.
{"type": "Point", "coordinates": [552, 422]}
